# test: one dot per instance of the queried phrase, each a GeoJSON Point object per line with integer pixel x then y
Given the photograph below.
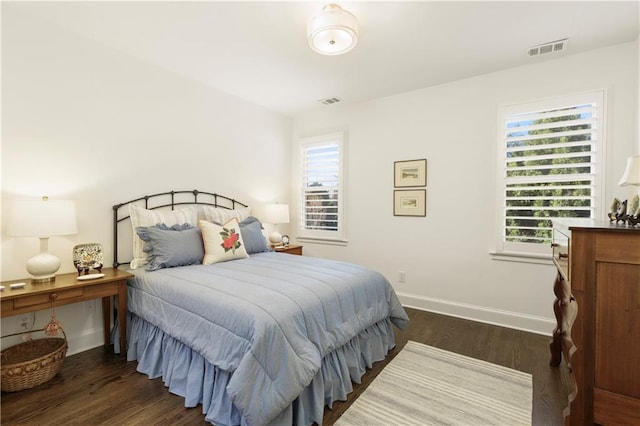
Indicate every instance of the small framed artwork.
{"type": "Point", "coordinates": [410, 173]}
{"type": "Point", "coordinates": [410, 202]}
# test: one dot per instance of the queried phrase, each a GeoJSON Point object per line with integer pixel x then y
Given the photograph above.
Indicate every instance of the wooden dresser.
{"type": "Point", "coordinates": [597, 308]}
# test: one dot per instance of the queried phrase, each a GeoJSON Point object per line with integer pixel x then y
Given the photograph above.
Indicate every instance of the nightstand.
{"type": "Point", "coordinates": [290, 249]}
{"type": "Point", "coordinates": [65, 289]}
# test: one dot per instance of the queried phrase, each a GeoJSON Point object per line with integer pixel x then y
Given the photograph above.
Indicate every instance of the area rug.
{"type": "Point", "coordinates": [424, 385]}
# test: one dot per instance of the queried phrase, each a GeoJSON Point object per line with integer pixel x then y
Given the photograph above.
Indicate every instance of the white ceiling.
{"type": "Point", "coordinates": [258, 50]}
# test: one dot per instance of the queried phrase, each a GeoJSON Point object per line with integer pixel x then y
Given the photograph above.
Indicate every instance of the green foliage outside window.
{"type": "Point", "coordinates": [563, 163]}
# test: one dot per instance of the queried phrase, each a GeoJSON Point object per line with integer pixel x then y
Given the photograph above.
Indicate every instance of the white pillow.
{"type": "Point", "coordinates": [143, 217]}
{"type": "Point", "coordinates": [222, 242]}
{"type": "Point", "coordinates": [222, 215]}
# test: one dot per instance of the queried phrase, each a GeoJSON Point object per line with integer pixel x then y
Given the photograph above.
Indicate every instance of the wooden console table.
{"type": "Point", "coordinates": [66, 289]}
{"type": "Point", "coordinates": [597, 309]}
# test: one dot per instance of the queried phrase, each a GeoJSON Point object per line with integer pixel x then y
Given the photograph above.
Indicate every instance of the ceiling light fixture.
{"type": "Point", "coordinates": [333, 31]}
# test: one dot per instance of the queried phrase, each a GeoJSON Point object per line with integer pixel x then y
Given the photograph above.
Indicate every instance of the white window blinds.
{"type": "Point", "coordinates": [550, 168]}
{"type": "Point", "coordinates": [322, 188]}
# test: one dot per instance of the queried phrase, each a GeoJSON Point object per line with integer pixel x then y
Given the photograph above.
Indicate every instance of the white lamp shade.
{"type": "Point", "coordinates": [276, 213]}
{"type": "Point", "coordinates": [333, 31]}
{"type": "Point", "coordinates": [631, 174]}
{"type": "Point", "coordinates": [41, 218]}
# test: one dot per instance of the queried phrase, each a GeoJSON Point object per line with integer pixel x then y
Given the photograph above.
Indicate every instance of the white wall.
{"type": "Point", "coordinates": [446, 255]}
{"type": "Point", "coordinates": [84, 122]}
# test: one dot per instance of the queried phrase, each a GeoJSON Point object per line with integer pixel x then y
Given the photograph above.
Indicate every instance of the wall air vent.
{"type": "Point", "coordinates": [330, 101]}
{"type": "Point", "coordinates": [551, 47]}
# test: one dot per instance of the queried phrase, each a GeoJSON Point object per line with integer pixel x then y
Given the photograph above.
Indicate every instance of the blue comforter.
{"type": "Point", "coordinates": [269, 319]}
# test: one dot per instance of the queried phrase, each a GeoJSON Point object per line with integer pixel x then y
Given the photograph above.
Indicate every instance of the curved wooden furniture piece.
{"type": "Point", "coordinates": [599, 272]}
{"type": "Point", "coordinates": [565, 309]}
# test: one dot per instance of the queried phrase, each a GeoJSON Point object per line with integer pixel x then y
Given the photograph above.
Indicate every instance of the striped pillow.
{"type": "Point", "coordinates": [221, 215]}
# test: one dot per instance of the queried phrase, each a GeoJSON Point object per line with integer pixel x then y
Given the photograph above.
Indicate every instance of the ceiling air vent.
{"type": "Point", "coordinates": [551, 47]}
{"type": "Point", "coordinates": [330, 101]}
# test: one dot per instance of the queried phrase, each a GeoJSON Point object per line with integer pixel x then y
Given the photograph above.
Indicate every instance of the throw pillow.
{"type": "Point", "coordinates": [166, 247]}
{"type": "Point", "coordinates": [254, 240]}
{"type": "Point", "coordinates": [222, 215]}
{"type": "Point", "coordinates": [143, 217]}
{"type": "Point", "coordinates": [222, 242]}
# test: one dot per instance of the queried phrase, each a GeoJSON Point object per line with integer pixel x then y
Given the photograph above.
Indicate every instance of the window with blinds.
{"type": "Point", "coordinates": [550, 167]}
{"type": "Point", "coordinates": [322, 188]}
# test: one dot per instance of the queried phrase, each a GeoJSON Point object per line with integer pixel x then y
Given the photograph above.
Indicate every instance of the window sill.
{"type": "Point", "coordinates": [336, 242]}
{"type": "Point", "coordinates": [511, 256]}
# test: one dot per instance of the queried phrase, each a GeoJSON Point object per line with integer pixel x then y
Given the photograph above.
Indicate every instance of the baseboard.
{"type": "Point", "coordinates": [88, 339]}
{"type": "Point", "coordinates": [515, 320]}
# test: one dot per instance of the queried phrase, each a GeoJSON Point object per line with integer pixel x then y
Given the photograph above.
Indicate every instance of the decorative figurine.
{"type": "Point", "coordinates": [613, 210]}
{"type": "Point", "coordinates": [633, 219]}
{"type": "Point", "coordinates": [618, 211]}
{"type": "Point", "coordinates": [87, 257]}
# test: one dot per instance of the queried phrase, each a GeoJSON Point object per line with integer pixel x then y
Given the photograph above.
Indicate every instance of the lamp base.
{"type": "Point", "coordinates": [275, 238]}
{"type": "Point", "coordinates": [43, 267]}
{"type": "Point", "coordinates": [43, 280]}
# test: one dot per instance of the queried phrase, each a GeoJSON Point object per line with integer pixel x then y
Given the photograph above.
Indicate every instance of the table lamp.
{"type": "Point", "coordinates": [275, 214]}
{"type": "Point", "coordinates": [42, 218]}
{"type": "Point", "coordinates": [631, 174]}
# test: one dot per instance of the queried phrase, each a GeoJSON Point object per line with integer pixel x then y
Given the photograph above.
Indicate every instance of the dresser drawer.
{"type": "Point", "coordinates": [44, 298]}
{"type": "Point", "coordinates": [610, 248]}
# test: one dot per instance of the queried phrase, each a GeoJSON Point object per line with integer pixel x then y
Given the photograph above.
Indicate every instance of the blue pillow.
{"type": "Point", "coordinates": [254, 241]}
{"type": "Point", "coordinates": [179, 245]}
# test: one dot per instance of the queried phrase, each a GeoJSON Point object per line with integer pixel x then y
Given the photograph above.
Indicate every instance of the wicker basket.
{"type": "Point", "coordinates": [32, 363]}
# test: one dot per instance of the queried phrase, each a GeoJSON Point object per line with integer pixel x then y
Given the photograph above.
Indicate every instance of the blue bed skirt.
{"type": "Point", "coordinates": [186, 373]}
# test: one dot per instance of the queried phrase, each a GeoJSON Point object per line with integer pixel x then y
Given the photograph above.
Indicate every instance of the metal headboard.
{"type": "Point", "coordinates": [169, 199]}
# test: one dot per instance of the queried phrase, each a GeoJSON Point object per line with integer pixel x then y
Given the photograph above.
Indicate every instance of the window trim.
{"type": "Point", "coordinates": [528, 252]}
{"type": "Point", "coordinates": [313, 235]}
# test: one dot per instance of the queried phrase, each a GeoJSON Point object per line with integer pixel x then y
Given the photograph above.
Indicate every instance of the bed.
{"type": "Point", "coordinates": [254, 336]}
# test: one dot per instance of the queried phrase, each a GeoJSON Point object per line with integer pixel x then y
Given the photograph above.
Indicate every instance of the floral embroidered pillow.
{"type": "Point", "coordinates": [222, 242]}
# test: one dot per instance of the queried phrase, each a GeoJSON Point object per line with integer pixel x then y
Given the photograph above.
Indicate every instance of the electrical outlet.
{"type": "Point", "coordinates": [91, 306]}
{"type": "Point", "coordinates": [25, 322]}
{"type": "Point", "coordinates": [402, 276]}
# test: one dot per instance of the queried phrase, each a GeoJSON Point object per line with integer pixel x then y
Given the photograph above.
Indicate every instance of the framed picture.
{"type": "Point", "coordinates": [410, 202]}
{"type": "Point", "coordinates": [410, 173]}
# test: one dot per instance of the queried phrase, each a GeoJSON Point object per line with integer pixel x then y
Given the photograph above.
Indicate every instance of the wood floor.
{"type": "Point", "coordinates": [97, 387]}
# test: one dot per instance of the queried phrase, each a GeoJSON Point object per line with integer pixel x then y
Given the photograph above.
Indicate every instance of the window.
{"type": "Point", "coordinates": [321, 199]}
{"type": "Point", "coordinates": [551, 163]}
